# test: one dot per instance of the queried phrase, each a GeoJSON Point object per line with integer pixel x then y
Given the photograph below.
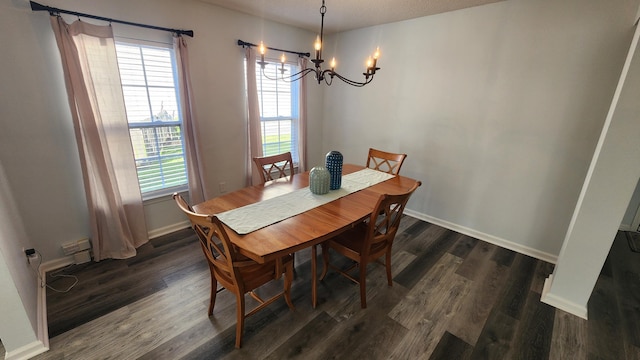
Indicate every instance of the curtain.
{"type": "Point", "coordinates": [102, 134]}
{"type": "Point", "coordinates": [254, 131]}
{"type": "Point", "coordinates": [197, 193]}
{"type": "Point", "coordinates": [302, 119]}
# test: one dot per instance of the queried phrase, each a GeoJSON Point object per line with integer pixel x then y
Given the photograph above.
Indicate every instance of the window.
{"type": "Point", "coordinates": [149, 81]}
{"type": "Point", "coordinates": [278, 101]}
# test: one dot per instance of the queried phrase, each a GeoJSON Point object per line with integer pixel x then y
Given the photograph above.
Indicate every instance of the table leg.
{"type": "Point", "coordinates": [314, 286]}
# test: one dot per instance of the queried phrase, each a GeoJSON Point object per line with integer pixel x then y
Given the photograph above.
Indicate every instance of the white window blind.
{"type": "Point", "coordinates": [278, 101]}
{"type": "Point", "coordinates": [155, 126]}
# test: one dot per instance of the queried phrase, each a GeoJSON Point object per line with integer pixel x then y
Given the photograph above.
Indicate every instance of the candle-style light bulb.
{"type": "Point", "coordinates": [318, 46]}
{"type": "Point", "coordinates": [262, 50]}
{"type": "Point", "coordinates": [282, 60]}
{"type": "Point", "coordinates": [376, 55]}
{"type": "Point", "coordinates": [333, 64]}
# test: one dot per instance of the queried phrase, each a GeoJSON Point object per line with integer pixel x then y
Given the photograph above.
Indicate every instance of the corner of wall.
{"type": "Point", "coordinates": [27, 351]}
{"type": "Point", "coordinates": [561, 303]}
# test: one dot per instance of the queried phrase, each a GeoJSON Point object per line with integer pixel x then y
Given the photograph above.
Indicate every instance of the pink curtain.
{"type": "Point", "coordinates": [197, 192]}
{"type": "Point", "coordinates": [302, 119]}
{"type": "Point", "coordinates": [254, 131]}
{"type": "Point", "coordinates": [102, 134]}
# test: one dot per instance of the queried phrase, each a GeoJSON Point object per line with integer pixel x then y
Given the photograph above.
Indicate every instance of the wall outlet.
{"type": "Point", "coordinates": [32, 255]}
{"type": "Point", "coordinates": [223, 187]}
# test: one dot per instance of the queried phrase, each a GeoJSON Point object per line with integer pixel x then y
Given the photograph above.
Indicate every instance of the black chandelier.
{"type": "Point", "coordinates": [320, 75]}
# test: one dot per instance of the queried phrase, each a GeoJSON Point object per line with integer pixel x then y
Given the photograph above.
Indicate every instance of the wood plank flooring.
{"type": "Point", "coordinates": [454, 297]}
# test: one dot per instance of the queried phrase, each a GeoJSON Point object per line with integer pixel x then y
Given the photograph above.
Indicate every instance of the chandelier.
{"type": "Point", "coordinates": [319, 74]}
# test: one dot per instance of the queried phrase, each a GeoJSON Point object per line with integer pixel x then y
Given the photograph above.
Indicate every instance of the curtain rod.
{"type": "Point", "coordinates": [301, 54]}
{"type": "Point", "coordinates": [39, 7]}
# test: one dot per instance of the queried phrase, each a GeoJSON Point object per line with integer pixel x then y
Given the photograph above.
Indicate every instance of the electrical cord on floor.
{"type": "Point", "coordinates": [55, 274]}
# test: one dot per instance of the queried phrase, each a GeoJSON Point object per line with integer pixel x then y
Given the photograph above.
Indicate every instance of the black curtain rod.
{"type": "Point", "coordinates": [53, 11]}
{"type": "Point", "coordinates": [301, 54]}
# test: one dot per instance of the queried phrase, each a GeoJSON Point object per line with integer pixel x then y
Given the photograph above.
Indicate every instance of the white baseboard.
{"type": "Point", "coordinates": [541, 255]}
{"type": "Point", "coordinates": [168, 229]}
{"type": "Point", "coordinates": [27, 351]}
{"type": "Point", "coordinates": [561, 303]}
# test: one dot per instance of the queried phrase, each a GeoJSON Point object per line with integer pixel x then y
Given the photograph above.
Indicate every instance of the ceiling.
{"type": "Point", "coordinates": [344, 15]}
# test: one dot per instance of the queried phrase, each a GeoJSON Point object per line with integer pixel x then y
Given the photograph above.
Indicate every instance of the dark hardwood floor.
{"type": "Point", "coordinates": [454, 297]}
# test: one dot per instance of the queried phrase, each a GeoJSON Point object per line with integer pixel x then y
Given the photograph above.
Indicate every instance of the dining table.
{"type": "Point", "coordinates": [306, 229]}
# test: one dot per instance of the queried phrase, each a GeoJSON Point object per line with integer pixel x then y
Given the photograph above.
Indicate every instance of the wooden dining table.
{"type": "Point", "coordinates": [304, 230]}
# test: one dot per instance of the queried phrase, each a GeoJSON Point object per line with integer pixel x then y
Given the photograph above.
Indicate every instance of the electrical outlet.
{"type": "Point", "coordinates": [31, 255]}
{"type": "Point", "coordinates": [223, 187]}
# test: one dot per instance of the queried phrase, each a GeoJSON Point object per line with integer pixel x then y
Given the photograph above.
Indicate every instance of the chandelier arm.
{"type": "Point", "coordinates": [368, 79]}
{"type": "Point", "coordinates": [289, 78]}
{"type": "Point", "coordinates": [299, 74]}
{"type": "Point", "coordinates": [267, 76]}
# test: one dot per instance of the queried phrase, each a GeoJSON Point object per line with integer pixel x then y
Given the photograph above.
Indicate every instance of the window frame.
{"type": "Point", "coordinates": [294, 118]}
{"type": "Point", "coordinates": [168, 190]}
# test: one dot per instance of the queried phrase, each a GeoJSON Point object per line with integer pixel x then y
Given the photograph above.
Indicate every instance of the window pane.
{"type": "Point", "coordinates": [158, 66]}
{"type": "Point", "coordinates": [163, 104]}
{"type": "Point", "coordinates": [136, 102]}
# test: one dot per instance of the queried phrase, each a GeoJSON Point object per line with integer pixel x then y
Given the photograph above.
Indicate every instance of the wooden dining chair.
{"type": "Point", "coordinates": [233, 271]}
{"type": "Point", "coordinates": [369, 240]}
{"type": "Point", "coordinates": [275, 166]}
{"type": "Point", "coordinates": [385, 161]}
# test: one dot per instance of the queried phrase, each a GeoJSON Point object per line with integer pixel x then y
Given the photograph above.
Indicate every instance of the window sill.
{"type": "Point", "coordinates": [163, 194]}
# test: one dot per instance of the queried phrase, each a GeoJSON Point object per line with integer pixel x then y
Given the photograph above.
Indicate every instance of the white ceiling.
{"type": "Point", "coordinates": [344, 15]}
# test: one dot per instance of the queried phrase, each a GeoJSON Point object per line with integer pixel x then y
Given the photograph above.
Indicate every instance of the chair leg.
{"type": "Point", "coordinates": [240, 319]}
{"type": "Point", "coordinates": [363, 286]}
{"type": "Point", "coordinates": [288, 279]}
{"type": "Point", "coordinates": [325, 260]}
{"type": "Point", "coordinates": [214, 292]}
{"type": "Point", "coordinates": [388, 266]}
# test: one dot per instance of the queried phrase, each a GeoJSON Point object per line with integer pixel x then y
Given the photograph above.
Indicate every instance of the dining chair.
{"type": "Point", "coordinates": [385, 161]}
{"type": "Point", "coordinates": [369, 240]}
{"type": "Point", "coordinates": [233, 271]}
{"type": "Point", "coordinates": [274, 166]}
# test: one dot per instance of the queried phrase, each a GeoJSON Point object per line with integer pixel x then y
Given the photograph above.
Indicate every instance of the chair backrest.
{"type": "Point", "coordinates": [385, 220]}
{"type": "Point", "coordinates": [215, 244]}
{"type": "Point", "coordinates": [275, 166]}
{"type": "Point", "coordinates": [385, 161]}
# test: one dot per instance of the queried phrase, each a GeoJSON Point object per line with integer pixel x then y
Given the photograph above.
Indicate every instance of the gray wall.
{"type": "Point", "coordinates": [499, 108]}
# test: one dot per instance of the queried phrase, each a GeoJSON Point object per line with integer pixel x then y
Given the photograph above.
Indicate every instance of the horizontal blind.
{"type": "Point", "coordinates": [151, 101]}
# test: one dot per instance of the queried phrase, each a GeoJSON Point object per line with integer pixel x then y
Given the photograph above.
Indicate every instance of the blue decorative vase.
{"type": "Point", "coordinates": [319, 180]}
{"type": "Point", "coordinates": [334, 165]}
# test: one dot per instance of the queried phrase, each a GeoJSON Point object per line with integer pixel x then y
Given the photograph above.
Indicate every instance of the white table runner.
{"type": "Point", "coordinates": [258, 215]}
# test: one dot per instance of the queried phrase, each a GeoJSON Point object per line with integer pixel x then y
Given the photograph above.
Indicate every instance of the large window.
{"type": "Point", "coordinates": [278, 110]}
{"type": "Point", "coordinates": [151, 99]}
